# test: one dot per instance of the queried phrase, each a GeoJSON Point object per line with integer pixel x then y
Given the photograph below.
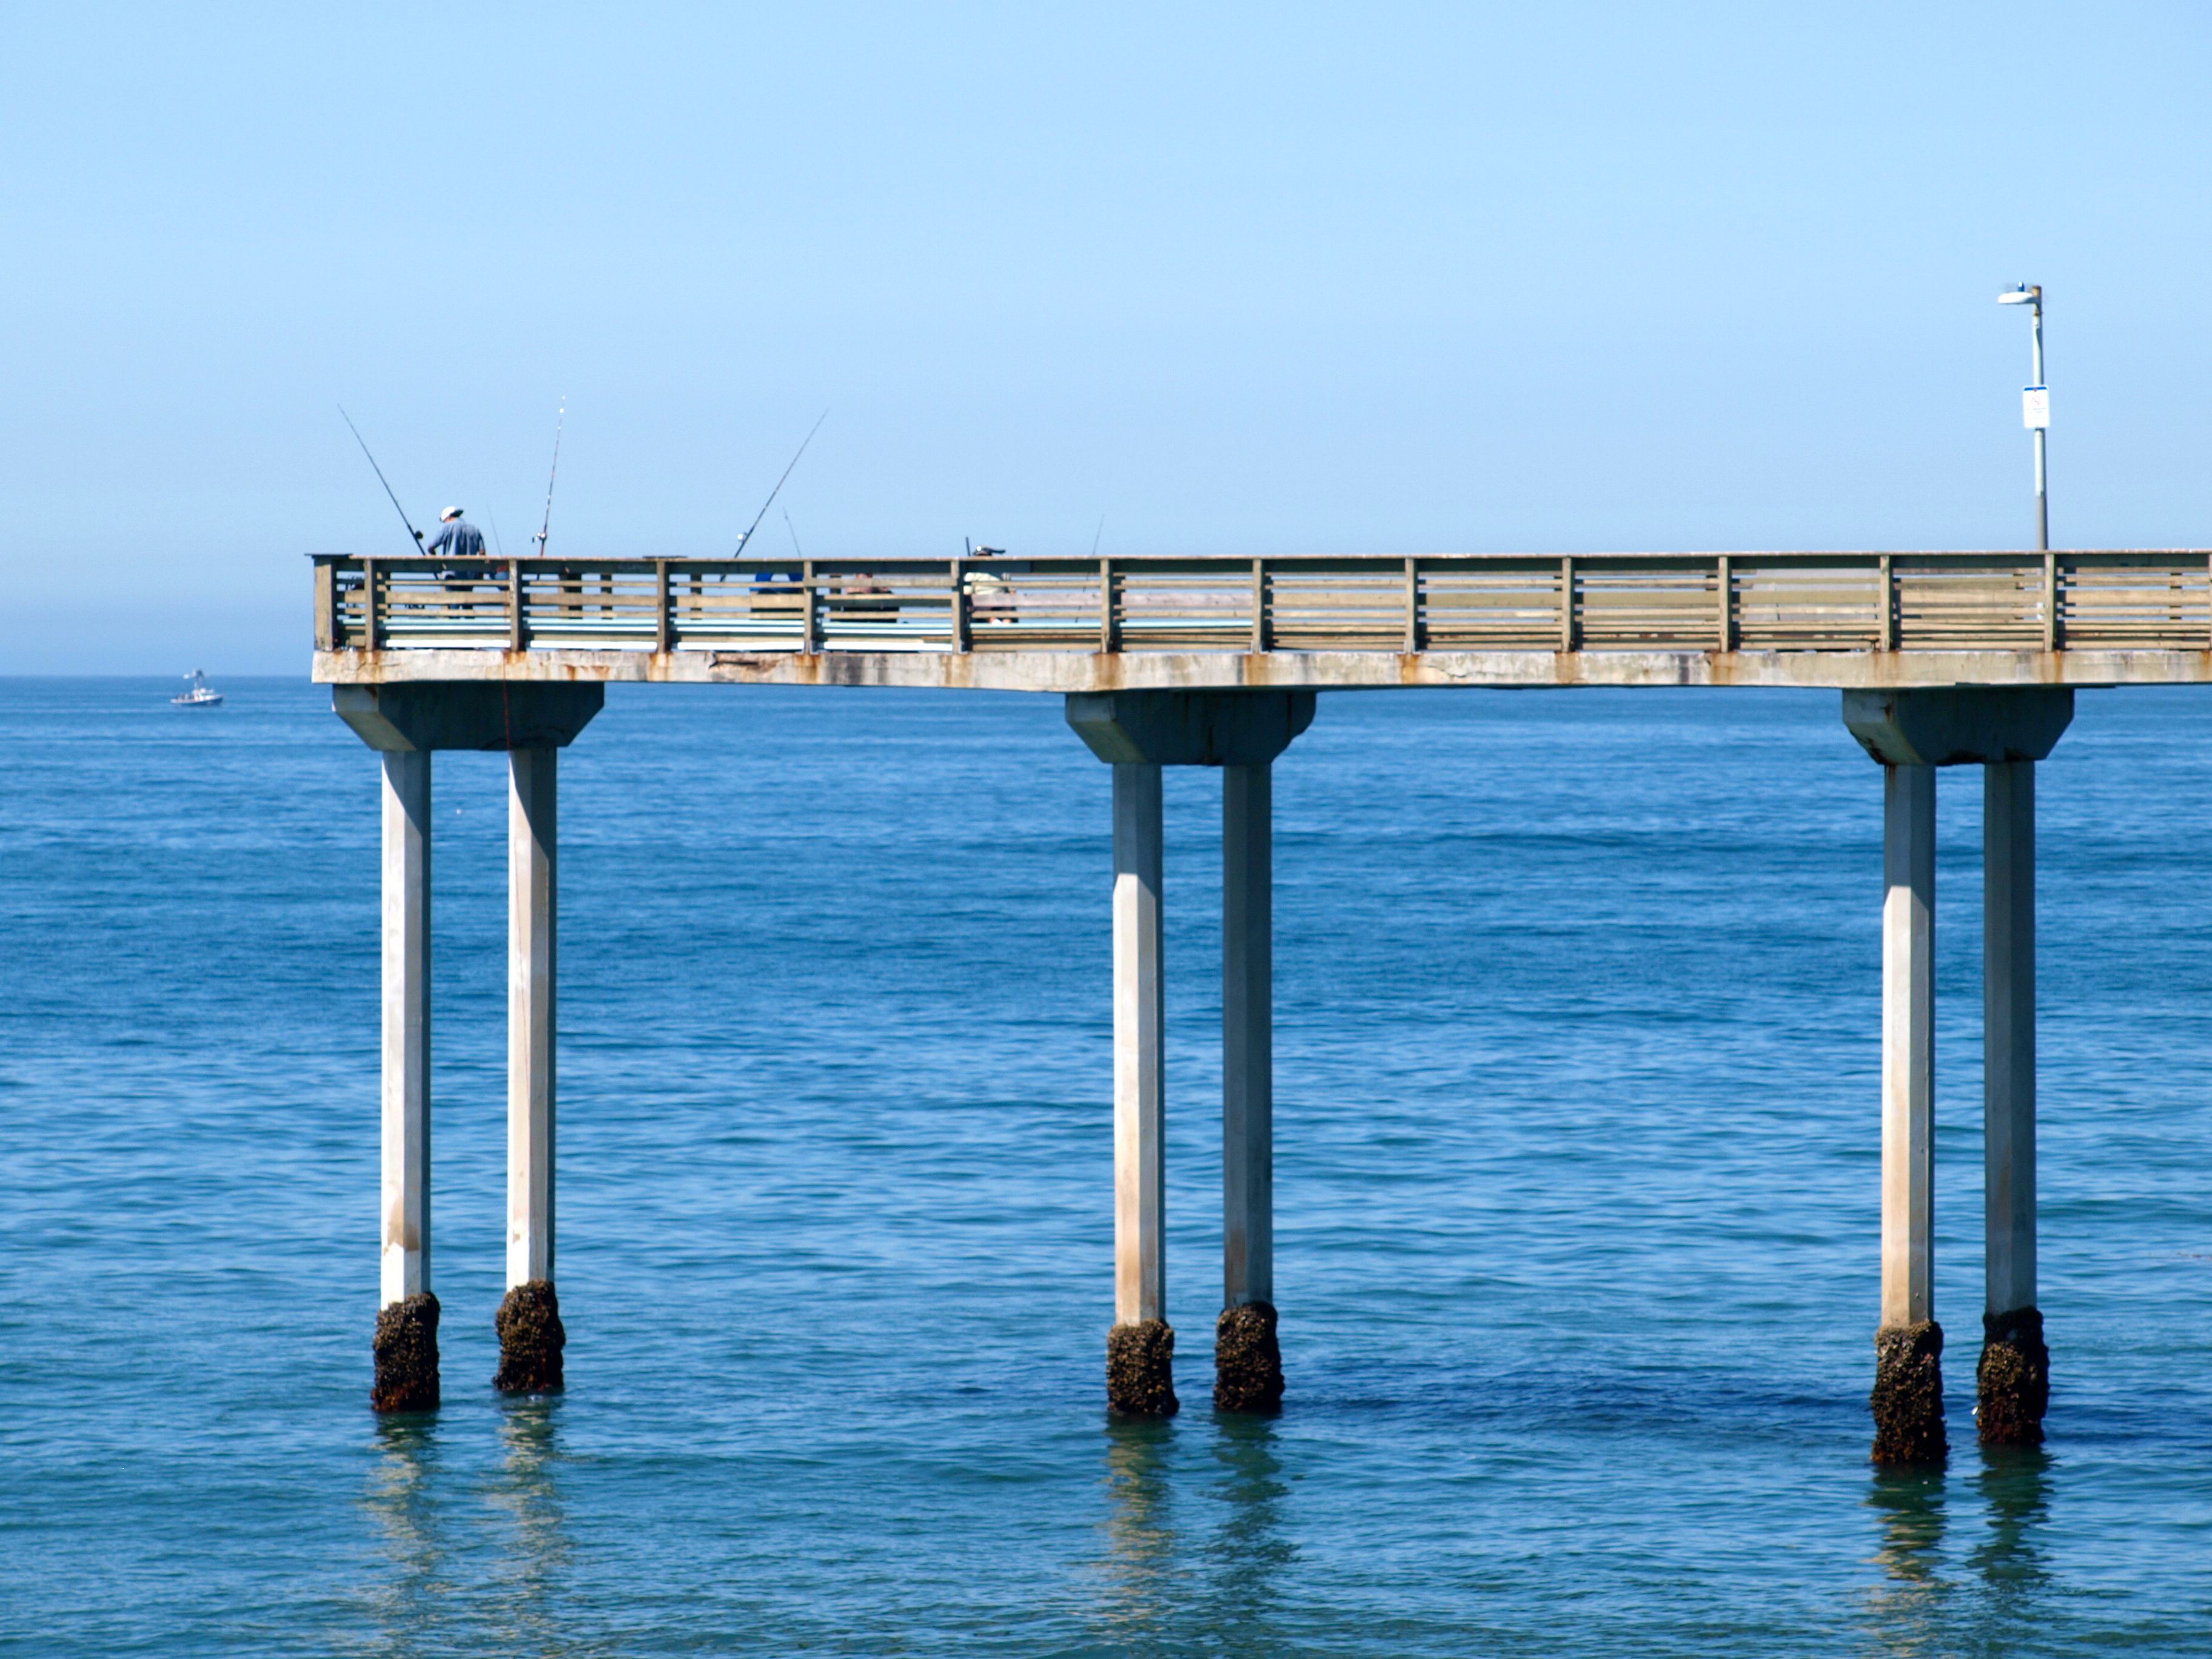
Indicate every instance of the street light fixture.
{"type": "Point", "coordinates": [2035, 403]}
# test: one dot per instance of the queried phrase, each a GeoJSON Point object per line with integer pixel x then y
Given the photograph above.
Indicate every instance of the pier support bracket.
{"type": "Point", "coordinates": [429, 714]}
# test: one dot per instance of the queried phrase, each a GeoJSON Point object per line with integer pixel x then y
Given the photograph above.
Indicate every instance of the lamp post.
{"type": "Point", "coordinates": [2035, 403]}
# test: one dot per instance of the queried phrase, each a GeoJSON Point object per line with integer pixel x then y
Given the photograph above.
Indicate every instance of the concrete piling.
{"type": "Point", "coordinates": [1248, 1359]}
{"type": "Point", "coordinates": [406, 1341]}
{"type": "Point", "coordinates": [1908, 1390]}
{"type": "Point", "coordinates": [2012, 1381]}
{"type": "Point", "coordinates": [2004, 730]}
{"type": "Point", "coordinates": [1138, 733]}
{"type": "Point", "coordinates": [1140, 1348]}
{"type": "Point", "coordinates": [405, 723]}
{"type": "Point", "coordinates": [530, 1335]}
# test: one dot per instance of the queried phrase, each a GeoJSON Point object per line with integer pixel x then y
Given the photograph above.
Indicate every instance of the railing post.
{"type": "Point", "coordinates": [1109, 632]}
{"type": "Point", "coordinates": [515, 632]}
{"type": "Point", "coordinates": [327, 617]}
{"type": "Point", "coordinates": [1260, 642]}
{"type": "Point", "coordinates": [1567, 641]}
{"type": "Point", "coordinates": [661, 599]}
{"type": "Point", "coordinates": [1886, 625]}
{"type": "Point", "coordinates": [1727, 604]}
{"type": "Point", "coordinates": [1413, 606]}
{"type": "Point", "coordinates": [2050, 601]}
{"type": "Point", "coordinates": [372, 581]}
{"type": "Point", "coordinates": [806, 607]}
{"type": "Point", "coordinates": [959, 605]}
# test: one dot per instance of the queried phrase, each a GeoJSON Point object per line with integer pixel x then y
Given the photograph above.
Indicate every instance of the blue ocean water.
{"type": "Point", "coordinates": [1578, 1006]}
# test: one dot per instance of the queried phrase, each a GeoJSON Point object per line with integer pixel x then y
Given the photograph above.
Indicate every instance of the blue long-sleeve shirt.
{"type": "Point", "coordinates": [459, 537]}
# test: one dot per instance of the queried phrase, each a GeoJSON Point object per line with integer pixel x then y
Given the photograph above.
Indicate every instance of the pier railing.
{"type": "Point", "coordinates": [1727, 602]}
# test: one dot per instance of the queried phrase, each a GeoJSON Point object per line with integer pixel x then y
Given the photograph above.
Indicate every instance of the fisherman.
{"type": "Point", "coordinates": [456, 537]}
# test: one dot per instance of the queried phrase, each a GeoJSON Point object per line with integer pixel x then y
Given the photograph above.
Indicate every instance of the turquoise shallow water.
{"type": "Point", "coordinates": [1578, 1004]}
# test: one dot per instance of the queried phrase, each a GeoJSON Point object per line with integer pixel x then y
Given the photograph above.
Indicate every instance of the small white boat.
{"type": "Point", "coordinates": [198, 695]}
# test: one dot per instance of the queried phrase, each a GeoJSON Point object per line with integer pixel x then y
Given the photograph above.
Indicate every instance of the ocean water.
{"type": "Point", "coordinates": [1578, 1005]}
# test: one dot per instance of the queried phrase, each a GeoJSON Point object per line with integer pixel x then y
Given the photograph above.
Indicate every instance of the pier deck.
{"type": "Point", "coordinates": [1867, 620]}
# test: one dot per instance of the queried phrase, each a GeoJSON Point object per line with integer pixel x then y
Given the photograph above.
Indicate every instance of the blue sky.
{"type": "Point", "coordinates": [1240, 279]}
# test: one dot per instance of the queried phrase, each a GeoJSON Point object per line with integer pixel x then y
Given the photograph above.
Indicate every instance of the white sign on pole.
{"type": "Point", "coordinates": [2035, 407]}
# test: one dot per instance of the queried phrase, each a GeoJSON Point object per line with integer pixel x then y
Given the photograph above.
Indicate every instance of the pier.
{"type": "Point", "coordinates": [1941, 658]}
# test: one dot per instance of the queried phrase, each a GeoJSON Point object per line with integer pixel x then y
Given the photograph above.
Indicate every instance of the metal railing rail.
{"type": "Point", "coordinates": [1722, 602]}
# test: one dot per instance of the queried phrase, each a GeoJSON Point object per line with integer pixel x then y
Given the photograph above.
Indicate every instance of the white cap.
{"type": "Point", "coordinates": [451, 513]}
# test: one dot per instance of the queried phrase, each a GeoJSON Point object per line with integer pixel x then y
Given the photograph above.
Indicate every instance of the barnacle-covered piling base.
{"type": "Point", "coordinates": [1247, 1361]}
{"type": "Point", "coordinates": [530, 1337]}
{"type": "Point", "coordinates": [406, 1348]}
{"type": "Point", "coordinates": [1141, 1369]}
{"type": "Point", "coordinates": [2012, 1381]}
{"type": "Point", "coordinates": [1908, 1395]}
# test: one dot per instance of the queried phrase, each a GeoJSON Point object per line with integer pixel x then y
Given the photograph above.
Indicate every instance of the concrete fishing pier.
{"type": "Point", "coordinates": [1941, 659]}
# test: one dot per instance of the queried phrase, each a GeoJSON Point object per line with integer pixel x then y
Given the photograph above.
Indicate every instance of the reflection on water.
{"type": "Point", "coordinates": [527, 1574]}
{"type": "Point", "coordinates": [1248, 1550]}
{"type": "Point", "coordinates": [472, 1554]}
{"type": "Point", "coordinates": [403, 1500]}
{"type": "Point", "coordinates": [2014, 1482]}
{"type": "Point", "coordinates": [1908, 1607]}
{"type": "Point", "coordinates": [1173, 1573]}
{"type": "Point", "coordinates": [1140, 1564]}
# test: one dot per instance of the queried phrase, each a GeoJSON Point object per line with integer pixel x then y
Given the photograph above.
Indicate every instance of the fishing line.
{"type": "Point", "coordinates": [745, 540]}
{"type": "Point", "coordinates": [546, 528]}
{"type": "Point", "coordinates": [380, 478]}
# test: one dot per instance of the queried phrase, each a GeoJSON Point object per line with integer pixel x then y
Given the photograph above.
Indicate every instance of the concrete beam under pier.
{"type": "Point", "coordinates": [467, 713]}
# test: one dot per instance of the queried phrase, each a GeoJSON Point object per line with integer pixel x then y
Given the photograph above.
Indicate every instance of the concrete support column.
{"type": "Point", "coordinates": [1248, 1359]}
{"type": "Point", "coordinates": [1137, 733]}
{"type": "Point", "coordinates": [530, 1337]}
{"type": "Point", "coordinates": [1908, 1389]}
{"type": "Point", "coordinates": [1140, 1348]}
{"type": "Point", "coordinates": [406, 1342]}
{"type": "Point", "coordinates": [2014, 1379]}
{"type": "Point", "coordinates": [1911, 731]}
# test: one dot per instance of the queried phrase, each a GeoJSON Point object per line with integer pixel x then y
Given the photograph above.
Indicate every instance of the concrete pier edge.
{"type": "Point", "coordinates": [406, 1348]}
{"type": "Point", "coordinates": [531, 1339]}
{"type": "Point", "coordinates": [1141, 1369]}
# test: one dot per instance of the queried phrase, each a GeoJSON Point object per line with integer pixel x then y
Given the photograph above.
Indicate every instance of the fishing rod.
{"type": "Point", "coordinates": [745, 540]}
{"type": "Point", "coordinates": [1100, 531]}
{"type": "Point", "coordinates": [545, 529]}
{"type": "Point", "coordinates": [380, 478]}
